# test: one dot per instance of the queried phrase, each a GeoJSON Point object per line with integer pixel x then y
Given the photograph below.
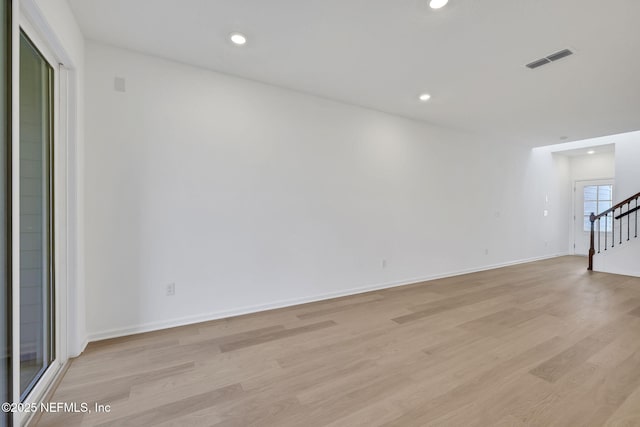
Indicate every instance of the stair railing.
{"type": "Point", "coordinates": [610, 217]}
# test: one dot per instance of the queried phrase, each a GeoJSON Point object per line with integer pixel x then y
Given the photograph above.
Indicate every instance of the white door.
{"type": "Point", "coordinates": [590, 196]}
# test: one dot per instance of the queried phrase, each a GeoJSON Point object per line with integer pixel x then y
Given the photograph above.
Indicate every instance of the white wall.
{"type": "Point", "coordinates": [627, 165]}
{"type": "Point", "coordinates": [622, 259]}
{"type": "Point", "coordinates": [250, 196]}
{"type": "Point", "coordinates": [592, 167]}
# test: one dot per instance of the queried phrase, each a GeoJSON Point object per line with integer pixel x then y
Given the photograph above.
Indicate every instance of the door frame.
{"type": "Point", "coordinates": [8, 101]}
{"type": "Point", "coordinates": [576, 182]}
{"type": "Point", "coordinates": [65, 204]}
{"type": "Point", "coordinates": [57, 288]}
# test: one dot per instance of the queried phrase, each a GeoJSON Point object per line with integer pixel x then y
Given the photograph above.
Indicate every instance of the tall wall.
{"type": "Point", "coordinates": [248, 196]}
{"type": "Point", "coordinates": [592, 167]}
{"type": "Point", "coordinates": [627, 165]}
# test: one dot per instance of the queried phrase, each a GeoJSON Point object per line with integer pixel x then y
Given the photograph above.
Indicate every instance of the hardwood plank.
{"type": "Point", "coordinates": [338, 308]}
{"type": "Point", "coordinates": [628, 414]}
{"type": "Point", "coordinates": [554, 368]}
{"type": "Point", "coordinates": [275, 335]}
{"type": "Point", "coordinates": [238, 336]}
{"type": "Point", "coordinates": [423, 411]}
{"type": "Point", "coordinates": [578, 353]}
{"type": "Point", "coordinates": [500, 322]}
{"type": "Point", "coordinates": [601, 400]}
{"type": "Point", "coordinates": [562, 396]}
{"type": "Point", "coordinates": [454, 303]}
{"type": "Point", "coordinates": [175, 409]}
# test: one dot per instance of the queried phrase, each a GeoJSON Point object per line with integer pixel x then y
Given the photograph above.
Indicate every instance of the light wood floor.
{"type": "Point", "coordinates": [539, 344]}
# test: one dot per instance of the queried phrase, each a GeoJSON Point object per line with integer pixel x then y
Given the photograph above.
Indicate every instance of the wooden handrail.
{"type": "Point", "coordinates": [630, 211]}
{"type": "Point", "coordinates": [619, 205]}
{"type": "Point", "coordinates": [612, 210]}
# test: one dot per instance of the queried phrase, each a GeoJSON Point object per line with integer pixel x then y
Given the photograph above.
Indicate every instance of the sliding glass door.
{"type": "Point", "coordinates": [5, 244]}
{"type": "Point", "coordinates": [27, 326]}
{"type": "Point", "coordinates": [36, 237]}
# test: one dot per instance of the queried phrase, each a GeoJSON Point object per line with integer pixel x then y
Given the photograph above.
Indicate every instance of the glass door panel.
{"type": "Point", "coordinates": [36, 287]}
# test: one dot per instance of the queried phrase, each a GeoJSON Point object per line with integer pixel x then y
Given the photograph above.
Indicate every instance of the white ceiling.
{"type": "Point", "coordinates": [382, 54]}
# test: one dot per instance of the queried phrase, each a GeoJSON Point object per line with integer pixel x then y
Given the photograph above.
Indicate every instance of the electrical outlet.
{"type": "Point", "coordinates": [384, 263]}
{"type": "Point", "coordinates": [171, 289]}
{"type": "Point", "coordinates": [486, 251]}
{"type": "Point", "coordinates": [119, 84]}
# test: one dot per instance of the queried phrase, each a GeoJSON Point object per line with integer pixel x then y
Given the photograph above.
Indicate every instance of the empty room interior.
{"type": "Point", "coordinates": [319, 213]}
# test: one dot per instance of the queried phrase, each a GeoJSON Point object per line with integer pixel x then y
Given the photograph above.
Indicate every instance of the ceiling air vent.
{"type": "Point", "coordinates": [559, 55]}
{"type": "Point", "coordinates": [538, 63]}
{"type": "Point", "coordinates": [548, 59]}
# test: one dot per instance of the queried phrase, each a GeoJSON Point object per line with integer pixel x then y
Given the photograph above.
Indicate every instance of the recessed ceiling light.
{"type": "Point", "coordinates": [437, 4]}
{"type": "Point", "coordinates": [238, 39]}
{"type": "Point", "coordinates": [590, 152]}
{"type": "Point", "coordinates": [424, 97]}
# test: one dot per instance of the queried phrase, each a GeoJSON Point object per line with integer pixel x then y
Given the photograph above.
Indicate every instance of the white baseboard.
{"type": "Point", "coordinates": [618, 271]}
{"type": "Point", "coordinates": [204, 317]}
{"type": "Point", "coordinates": [84, 344]}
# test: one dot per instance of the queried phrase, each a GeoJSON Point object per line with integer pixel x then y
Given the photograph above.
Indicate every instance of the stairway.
{"type": "Point", "coordinates": [611, 231]}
